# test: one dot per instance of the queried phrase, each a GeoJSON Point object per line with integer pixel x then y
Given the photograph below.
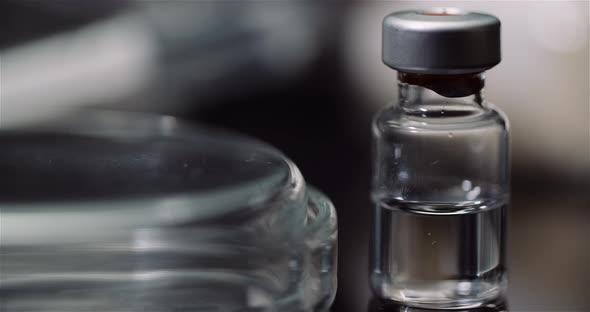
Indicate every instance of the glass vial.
{"type": "Point", "coordinates": [441, 164]}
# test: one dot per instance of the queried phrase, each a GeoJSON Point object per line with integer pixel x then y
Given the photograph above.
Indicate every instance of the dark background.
{"type": "Point", "coordinates": [307, 77]}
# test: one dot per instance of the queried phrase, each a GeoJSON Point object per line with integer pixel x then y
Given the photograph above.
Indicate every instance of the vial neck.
{"type": "Point", "coordinates": [423, 92]}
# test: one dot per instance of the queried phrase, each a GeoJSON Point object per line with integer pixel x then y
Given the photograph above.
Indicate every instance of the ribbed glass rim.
{"type": "Point", "coordinates": [135, 211]}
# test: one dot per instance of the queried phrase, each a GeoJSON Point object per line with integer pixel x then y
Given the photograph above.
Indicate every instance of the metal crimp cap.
{"type": "Point", "coordinates": [441, 41]}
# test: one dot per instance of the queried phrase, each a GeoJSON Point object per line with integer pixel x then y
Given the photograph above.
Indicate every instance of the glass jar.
{"type": "Point", "coordinates": [108, 211]}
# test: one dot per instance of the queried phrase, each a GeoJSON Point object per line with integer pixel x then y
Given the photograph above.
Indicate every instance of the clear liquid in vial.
{"type": "Point", "coordinates": [445, 255]}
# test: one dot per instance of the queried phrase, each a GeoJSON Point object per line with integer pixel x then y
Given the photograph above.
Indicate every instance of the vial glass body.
{"type": "Point", "coordinates": [441, 192]}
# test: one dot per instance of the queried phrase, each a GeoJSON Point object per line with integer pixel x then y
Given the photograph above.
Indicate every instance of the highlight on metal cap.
{"type": "Point", "coordinates": [441, 41]}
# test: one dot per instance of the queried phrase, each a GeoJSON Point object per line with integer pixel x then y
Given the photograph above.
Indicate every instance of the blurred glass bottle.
{"type": "Point", "coordinates": [442, 166]}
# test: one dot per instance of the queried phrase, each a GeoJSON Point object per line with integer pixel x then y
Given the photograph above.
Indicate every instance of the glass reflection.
{"type": "Point", "coordinates": [380, 305]}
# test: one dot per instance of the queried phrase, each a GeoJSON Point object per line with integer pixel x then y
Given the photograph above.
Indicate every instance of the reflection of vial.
{"type": "Point", "coordinates": [441, 179]}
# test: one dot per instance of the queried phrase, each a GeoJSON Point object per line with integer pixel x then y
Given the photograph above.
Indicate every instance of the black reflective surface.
{"type": "Point", "coordinates": [379, 305]}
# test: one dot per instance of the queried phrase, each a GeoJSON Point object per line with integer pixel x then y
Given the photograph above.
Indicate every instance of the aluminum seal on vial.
{"type": "Point", "coordinates": [441, 41]}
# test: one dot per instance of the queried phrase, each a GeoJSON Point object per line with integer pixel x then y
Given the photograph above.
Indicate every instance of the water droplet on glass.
{"type": "Point", "coordinates": [397, 152]}
{"type": "Point", "coordinates": [471, 195]}
{"type": "Point", "coordinates": [464, 288]}
{"type": "Point", "coordinates": [466, 185]}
